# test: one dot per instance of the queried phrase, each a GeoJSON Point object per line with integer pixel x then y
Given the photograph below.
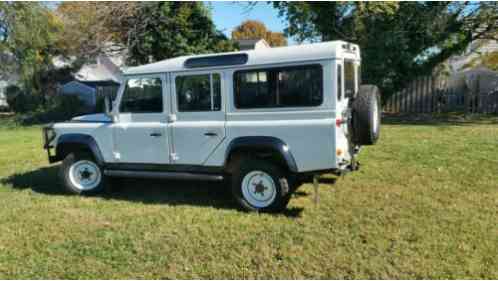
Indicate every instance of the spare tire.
{"type": "Point", "coordinates": [365, 117]}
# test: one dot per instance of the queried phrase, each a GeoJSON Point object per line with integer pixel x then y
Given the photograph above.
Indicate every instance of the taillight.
{"type": "Point", "coordinates": [338, 122]}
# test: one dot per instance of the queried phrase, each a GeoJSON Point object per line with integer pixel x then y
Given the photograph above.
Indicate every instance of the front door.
{"type": "Point", "coordinates": [140, 133]}
{"type": "Point", "coordinates": [198, 123]}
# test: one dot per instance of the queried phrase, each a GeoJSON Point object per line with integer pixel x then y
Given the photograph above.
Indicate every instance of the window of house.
{"type": "Point", "coordinates": [299, 86]}
{"type": "Point", "coordinates": [349, 78]}
{"type": "Point", "coordinates": [142, 95]}
{"type": "Point", "coordinates": [199, 92]}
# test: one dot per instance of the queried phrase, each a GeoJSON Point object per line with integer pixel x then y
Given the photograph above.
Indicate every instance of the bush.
{"type": "Point", "coordinates": [58, 108]}
{"type": "Point", "coordinates": [20, 101]}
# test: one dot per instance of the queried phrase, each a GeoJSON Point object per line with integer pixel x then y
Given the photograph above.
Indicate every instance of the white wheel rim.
{"type": "Point", "coordinates": [85, 175]}
{"type": "Point", "coordinates": [259, 189]}
{"type": "Point", "coordinates": [375, 118]}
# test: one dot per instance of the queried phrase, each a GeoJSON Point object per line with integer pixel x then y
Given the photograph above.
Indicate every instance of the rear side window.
{"type": "Point", "coordinates": [350, 78]}
{"type": "Point", "coordinates": [279, 87]}
{"type": "Point", "coordinates": [142, 95]}
{"type": "Point", "coordinates": [198, 92]}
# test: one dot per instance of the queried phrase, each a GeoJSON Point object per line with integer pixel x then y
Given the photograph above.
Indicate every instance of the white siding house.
{"type": "Point", "coordinates": [252, 44]}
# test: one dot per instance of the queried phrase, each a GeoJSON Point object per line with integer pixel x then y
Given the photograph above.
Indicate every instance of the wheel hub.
{"type": "Point", "coordinates": [259, 189]}
{"type": "Point", "coordinates": [85, 175]}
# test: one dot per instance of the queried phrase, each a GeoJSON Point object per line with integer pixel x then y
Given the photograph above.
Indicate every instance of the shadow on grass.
{"type": "Point", "coordinates": [446, 119]}
{"type": "Point", "coordinates": [146, 191]}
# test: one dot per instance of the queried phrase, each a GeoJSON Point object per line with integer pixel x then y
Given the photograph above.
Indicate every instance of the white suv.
{"type": "Point", "coordinates": [262, 120]}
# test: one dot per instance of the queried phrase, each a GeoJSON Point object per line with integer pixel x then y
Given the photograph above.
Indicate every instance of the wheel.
{"type": "Point", "coordinates": [366, 115]}
{"type": "Point", "coordinates": [80, 174]}
{"type": "Point", "coordinates": [260, 185]}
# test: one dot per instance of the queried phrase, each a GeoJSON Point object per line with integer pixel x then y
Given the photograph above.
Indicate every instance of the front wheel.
{"type": "Point", "coordinates": [260, 185]}
{"type": "Point", "coordinates": [80, 174]}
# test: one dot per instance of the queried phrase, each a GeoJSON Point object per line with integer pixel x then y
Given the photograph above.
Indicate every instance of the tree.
{"type": "Point", "coordinates": [148, 31]}
{"type": "Point", "coordinates": [252, 29]}
{"type": "Point", "coordinates": [94, 28]}
{"type": "Point", "coordinates": [398, 40]}
{"type": "Point", "coordinates": [29, 36]}
{"type": "Point", "coordinates": [154, 31]}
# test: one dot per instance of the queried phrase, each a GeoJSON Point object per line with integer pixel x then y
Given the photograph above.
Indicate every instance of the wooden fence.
{"type": "Point", "coordinates": [433, 95]}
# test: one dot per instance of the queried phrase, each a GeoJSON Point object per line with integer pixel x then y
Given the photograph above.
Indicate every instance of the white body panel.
{"type": "Point", "coordinates": [310, 133]}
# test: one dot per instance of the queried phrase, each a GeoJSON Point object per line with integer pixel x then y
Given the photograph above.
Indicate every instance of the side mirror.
{"type": "Point", "coordinates": [108, 106]}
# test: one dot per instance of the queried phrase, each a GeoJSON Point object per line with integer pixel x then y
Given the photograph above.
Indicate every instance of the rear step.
{"type": "Point", "coordinates": [162, 175]}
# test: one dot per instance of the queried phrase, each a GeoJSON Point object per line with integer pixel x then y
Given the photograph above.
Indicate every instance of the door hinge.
{"type": "Point", "coordinates": [173, 157]}
{"type": "Point", "coordinates": [171, 118]}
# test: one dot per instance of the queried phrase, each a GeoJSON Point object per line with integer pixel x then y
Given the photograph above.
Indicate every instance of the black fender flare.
{"type": "Point", "coordinates": [68, 142]}
{"type": "Point", "coordinates": [262, 143]}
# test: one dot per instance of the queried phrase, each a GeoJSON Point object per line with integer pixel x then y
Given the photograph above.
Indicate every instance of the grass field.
{"type": "Point", "coordinates": [424, 205]}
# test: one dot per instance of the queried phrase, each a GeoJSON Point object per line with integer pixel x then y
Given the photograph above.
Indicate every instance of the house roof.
{"type": "Point", "coordinates": [306, 52]}
{"type": "Point", "coordinates": [251, 43]}
{"type": "Point", "coordinates": [103, 70]}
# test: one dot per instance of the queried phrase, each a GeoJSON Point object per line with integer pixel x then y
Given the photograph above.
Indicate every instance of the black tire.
{"type": "Point", "coordinates": [366, 114]}
{"type": "Point", "coordinates": [65, 177]}
{"type": "Point", "coordinates": [281, 180]}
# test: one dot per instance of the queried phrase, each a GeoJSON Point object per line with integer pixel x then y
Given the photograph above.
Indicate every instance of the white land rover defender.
{"type": "Point", "coordinates": [262, 120]}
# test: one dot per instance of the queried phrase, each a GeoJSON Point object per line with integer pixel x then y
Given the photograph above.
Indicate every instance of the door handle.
{"type": "Point", "coordinates": [210, 134]}
{"type": "Point", "coordinates": [155, 135]}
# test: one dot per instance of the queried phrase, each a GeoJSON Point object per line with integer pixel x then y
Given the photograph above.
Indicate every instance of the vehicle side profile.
{"type": "Point", "coordinates": [262, 121]}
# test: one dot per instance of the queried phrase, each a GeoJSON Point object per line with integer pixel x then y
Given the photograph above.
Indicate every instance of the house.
{"type": "Point", "coordinates": [3, 99]}
{"type": "Point", "coordinates": [4, 83]}
{"type": "Point", "coordinates": [252, 44]}
{"type": "Point", "coordinates": [472, 54]}
{"type": "Point", "coordinates": [7, 77]}
{"type": "Point", "coordinates": [467, 75]}
{"type": "Point", "coordinates": [479, 80]}
{"type": "Point", "coordinates": [93, 79]}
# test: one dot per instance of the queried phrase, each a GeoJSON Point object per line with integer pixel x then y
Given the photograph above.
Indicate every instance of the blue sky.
{"type": "Point", "coordinates": [227, 15]}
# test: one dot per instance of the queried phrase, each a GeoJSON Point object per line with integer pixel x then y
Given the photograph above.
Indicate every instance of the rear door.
{"type": "Point", "coordinates": [198, 121]}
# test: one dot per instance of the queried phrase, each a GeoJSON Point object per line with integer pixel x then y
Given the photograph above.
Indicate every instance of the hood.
{"type": "Point", "coordinates": [100, 117]}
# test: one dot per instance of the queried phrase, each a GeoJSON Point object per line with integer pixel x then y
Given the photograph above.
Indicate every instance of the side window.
{"type": "Point", "coordinates": [142, 95]}
{"type": "Point", "coordinates": [198, 92]}
{"type": "Point", "coordinates": [339, 82]}
{"type": "Point", "coordinates": [350, 78]}
{"type": "Point", "coordinates": [279, 87]}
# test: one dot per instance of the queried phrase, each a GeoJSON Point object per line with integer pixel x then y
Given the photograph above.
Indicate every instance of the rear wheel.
{"type": "Point", "coordinates": [80, 174]}
{"type": "Point", "coordinates": [260, 185]}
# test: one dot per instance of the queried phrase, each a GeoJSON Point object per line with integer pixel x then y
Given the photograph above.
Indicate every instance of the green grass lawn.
{"type": "Point", "coordinates": [423, 205]}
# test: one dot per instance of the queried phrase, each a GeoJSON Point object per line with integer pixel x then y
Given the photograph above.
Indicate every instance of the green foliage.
{"type": "Point", "coordinates": [170, 29]}
{"type": "Point", "coordinates": [28, 32]}
{"type": "Point", "coordinates": [21, 101]}
{"type": "Point", "coordinates": [58, 108]}
{"type": "Point", "coordinates": [399, 40]}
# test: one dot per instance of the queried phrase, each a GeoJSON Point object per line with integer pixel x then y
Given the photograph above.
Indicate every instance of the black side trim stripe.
{"type": "Point", "coordinates": [163, 175]}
